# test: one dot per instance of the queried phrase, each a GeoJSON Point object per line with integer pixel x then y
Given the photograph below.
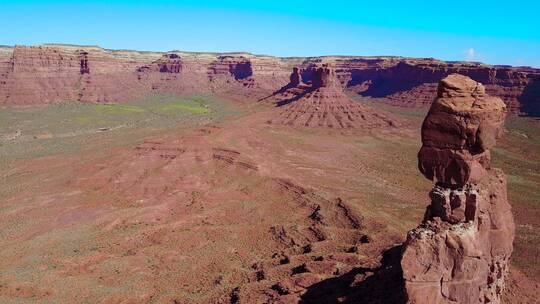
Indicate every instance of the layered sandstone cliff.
{"type": "Point", "coordinates": [48, 74]}
{"type": "Point", "coordinates": [60, 73]}
{"type": "Point", "coordinates": [56, 73]}
{"type": "Point", "coordinates": [460, 253]}
{"type": "Point", "coordinates": [415, 81]}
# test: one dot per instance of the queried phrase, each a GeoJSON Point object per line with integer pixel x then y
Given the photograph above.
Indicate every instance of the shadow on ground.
{"type": "Point", "coordinates": [363, 285]}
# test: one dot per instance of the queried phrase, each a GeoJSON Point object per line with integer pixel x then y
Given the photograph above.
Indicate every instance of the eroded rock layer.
{"type": "Point", "coordinates": [460, 253]}
{"type": "Point", "coordinates": [59, 73]}
{"type": "Point", "coordinates": [458, 132]}
{"type": "Point", "coordinates": [322, 103]}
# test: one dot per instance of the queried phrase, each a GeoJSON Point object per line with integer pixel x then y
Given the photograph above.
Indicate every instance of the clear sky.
{"type": "Point", "coordinates": [496, 32]}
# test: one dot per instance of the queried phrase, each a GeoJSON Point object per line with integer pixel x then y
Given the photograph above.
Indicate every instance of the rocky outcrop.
{"type": "Point", "coordinates": [295, 78]}
{"type": "Point", "coordinates": [59, 73]}
{"type": "Point", "coordinates": [325, 77]}
{"type": "Point", "coordinates": [322, 103]}
{"type": "Point", "coordinates": [458, 132]}
{"type": "Point", "coordinates": [460, 253]}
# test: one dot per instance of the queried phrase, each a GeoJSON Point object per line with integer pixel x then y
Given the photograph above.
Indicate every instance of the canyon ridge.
{"type": "Point", "coordinates": [57, 73]}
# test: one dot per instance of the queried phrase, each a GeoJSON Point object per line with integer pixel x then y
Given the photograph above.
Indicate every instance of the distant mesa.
{"type": "Point", "coordinates": [52, 73]}
{"type": "Point", "coordinates": [322, 103]}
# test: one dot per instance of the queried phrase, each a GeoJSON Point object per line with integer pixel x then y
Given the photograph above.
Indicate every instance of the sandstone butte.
{"type": "Point", "coordinates": [59, 73]}
{"type": "Point", "coordinates": [460, 252]}
{"type": "Point", "coordinates": [322, 103]}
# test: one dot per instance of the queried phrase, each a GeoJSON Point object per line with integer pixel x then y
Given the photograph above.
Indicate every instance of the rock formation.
{"type": "Point", "coordinates": [295, 78]}
{"type": "Point", "coordinates": [58, 73]}
{"type": "Point", "coordinates": [460, 253]}
{"type": "Point", "coordinates": [459, 131]}
{"type": "Point", "coordinates": [325, 77]}
{"type": "Point", "coordinates": [322, 103]}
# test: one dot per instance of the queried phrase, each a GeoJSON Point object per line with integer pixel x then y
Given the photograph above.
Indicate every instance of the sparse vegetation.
{"type": "Point", "coordinates": [27, 132]}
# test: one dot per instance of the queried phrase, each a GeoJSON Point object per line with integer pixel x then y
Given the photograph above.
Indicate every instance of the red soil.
{"type": "Point", "coordinates": [229, 213]}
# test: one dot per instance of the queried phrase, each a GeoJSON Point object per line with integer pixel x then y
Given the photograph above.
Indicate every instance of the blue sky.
{"type": "Point", "coordinates": [496, 32]}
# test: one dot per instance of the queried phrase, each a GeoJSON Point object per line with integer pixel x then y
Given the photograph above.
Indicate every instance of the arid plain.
{"type": "Point", "coordinates": [130, 177]}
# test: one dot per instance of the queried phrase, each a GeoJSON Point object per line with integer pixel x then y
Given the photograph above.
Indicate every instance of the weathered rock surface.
{"type": "Point", "coordinates": [461, 251]}
{"type": "Point", "coordinates": [55, 73]}
{"type": "Point", "coordinates": [322, 103]}
{"type": "Point", "coordinates": [460, 128]}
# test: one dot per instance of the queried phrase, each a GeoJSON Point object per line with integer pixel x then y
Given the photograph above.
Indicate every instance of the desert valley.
{"type": "Point", "coordinates": [182, 177]}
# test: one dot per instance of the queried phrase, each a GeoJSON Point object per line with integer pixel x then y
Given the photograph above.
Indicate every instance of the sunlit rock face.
{"type": "Point", "coordinates": [460, 128]}
{"type": "Point", "coordinates": [460, 252]}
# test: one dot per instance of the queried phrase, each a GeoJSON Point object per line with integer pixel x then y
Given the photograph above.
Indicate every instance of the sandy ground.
{"type": "Point", "coordinates": [239, 211]}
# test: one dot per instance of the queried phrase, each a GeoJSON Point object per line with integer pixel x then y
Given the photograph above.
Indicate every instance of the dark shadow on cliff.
{"type": "Point", "coordinates": [241, 70]}
{"type": "Point", "coordinates": [399, 78]}
{"type": "Point", "coordinates": [289, 100]}
{"type": "Point", "coordinates": [385, 87]}
{"type": "Point", "coordinates": [280, 91]}
{"type": "Point", "coordinates": [295, 98]}
{"type": "Point", "coordinates": [380, 285]}
{"type": "Point", "coordinates": [530, 99]}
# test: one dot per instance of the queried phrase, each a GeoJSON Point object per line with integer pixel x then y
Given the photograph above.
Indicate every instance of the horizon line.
{"type": "Point", "coordinates": [474, 63]}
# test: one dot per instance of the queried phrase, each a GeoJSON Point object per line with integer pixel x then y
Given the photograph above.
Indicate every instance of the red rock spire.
{"type": "Point", "coordinates": [460, 253]}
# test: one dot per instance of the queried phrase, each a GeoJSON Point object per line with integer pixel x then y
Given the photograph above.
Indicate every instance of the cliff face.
{"type": "Point", "coordinates": [460, 253]}
{"type": "Point", "coordinates": [409, 80]}
{"type": "Point", "coordinates": [54, 73]}
{"type": "Point", "coordinates": [68, 73]}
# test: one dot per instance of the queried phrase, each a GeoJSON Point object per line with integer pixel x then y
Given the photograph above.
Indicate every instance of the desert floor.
{"type": "Point", "coordinates": [199, 199]}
